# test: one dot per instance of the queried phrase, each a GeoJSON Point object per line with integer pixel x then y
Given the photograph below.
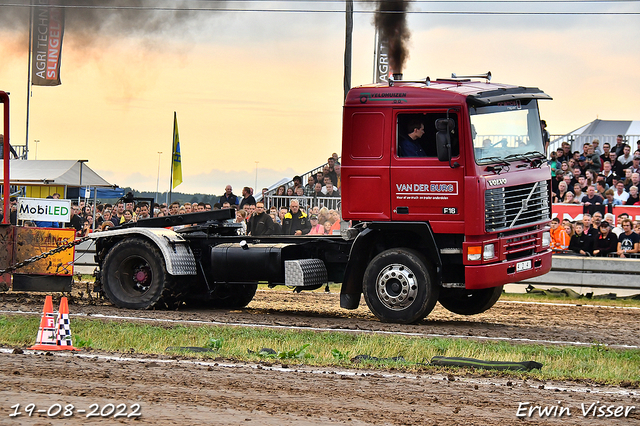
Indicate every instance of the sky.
{"type": "Point", "coordinates": [258, 94]}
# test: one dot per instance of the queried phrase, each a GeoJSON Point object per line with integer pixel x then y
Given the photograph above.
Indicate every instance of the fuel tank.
{"type": "Point", "coordinates": [246, 262]}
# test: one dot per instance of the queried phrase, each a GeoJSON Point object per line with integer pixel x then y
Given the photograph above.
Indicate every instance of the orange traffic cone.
{"type": "Point", "coordinates": [63, 336]}
{"type": "Point", "coordinates": [46, 338]}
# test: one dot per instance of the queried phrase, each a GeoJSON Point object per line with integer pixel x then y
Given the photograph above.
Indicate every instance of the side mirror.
{"type": "Point", "coordinates": [443, 138]}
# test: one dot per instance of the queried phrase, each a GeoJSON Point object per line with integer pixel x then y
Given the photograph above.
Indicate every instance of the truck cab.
{"type": "Point", "coordinates": [453, 170]}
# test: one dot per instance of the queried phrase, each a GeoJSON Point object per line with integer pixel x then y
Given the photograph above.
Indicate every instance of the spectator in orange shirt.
{"type": "Point", "coordinates": [334, 218]}
{"type": "Point", "coordinates": [559, 237]}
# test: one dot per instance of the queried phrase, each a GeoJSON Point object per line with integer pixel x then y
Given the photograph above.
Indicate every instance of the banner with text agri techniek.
{"type": "Point", "coordinates": [46, 48]}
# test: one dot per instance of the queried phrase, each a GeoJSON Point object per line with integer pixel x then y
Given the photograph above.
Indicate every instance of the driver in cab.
{"type": "Point", "coordinates": [409, 145]}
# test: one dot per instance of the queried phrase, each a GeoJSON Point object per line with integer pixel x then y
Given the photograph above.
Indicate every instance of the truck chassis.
{"type": "Point", "coordinates": [206, 264]}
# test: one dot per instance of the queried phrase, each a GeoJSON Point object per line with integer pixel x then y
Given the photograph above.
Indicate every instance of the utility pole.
{"type": "Point", "coordinates": [348, 46]}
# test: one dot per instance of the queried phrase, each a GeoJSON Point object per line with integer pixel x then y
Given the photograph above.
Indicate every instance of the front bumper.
{"type": "Point", "coordinates": [506, 272]}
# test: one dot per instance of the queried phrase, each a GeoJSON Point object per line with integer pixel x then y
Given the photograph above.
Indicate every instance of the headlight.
{"type": "Point", "coordinates": [546, 239]}
{"type": "Point", "coordinates": [489, 252]}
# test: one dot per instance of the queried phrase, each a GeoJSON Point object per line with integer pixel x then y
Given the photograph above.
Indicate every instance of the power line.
{"type": "Point", "coordinates": [365, 11]}
{"type": "Point", "coordinates": [373, 3]}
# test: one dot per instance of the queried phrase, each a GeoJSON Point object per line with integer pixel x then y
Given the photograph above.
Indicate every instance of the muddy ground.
{"type": "Point", "coordinates": [174, 391]}
{"type": "Point", "coordinates": [513, 320]}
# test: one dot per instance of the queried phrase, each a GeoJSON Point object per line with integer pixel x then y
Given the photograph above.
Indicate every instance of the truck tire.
{"type": "Point", "coordinates": [233, 296]}
{"type": "Point", "coordinates": [469, 302]}
{"type": "Point", "coordinates": [398, 286]}
{"type": "Point", "coordinates": [134, 274]}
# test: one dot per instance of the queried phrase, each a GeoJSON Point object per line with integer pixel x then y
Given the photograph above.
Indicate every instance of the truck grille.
{"type": "Point", "coordinates": [521, 246]}
{"type": "Point", "coordinates": [517, 205]}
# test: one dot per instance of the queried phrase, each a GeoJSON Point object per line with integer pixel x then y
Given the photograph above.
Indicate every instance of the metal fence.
{"type": "Point", "coordinates": [305, 202]}
{"type": "Point", "coordinates": [21, 150]}
{"type": "Point", "coordinates": [304, 178]}
{"type": "Point", "coordinates": [503, 141]}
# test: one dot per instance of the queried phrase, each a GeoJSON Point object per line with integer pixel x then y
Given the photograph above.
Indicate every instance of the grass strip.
{"type": "Point", "coordinates": [549, 298]}
{"type": "Point", "coordinates": [596, 363]}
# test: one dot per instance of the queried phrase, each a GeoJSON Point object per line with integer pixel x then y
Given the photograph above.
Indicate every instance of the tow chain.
{"type": "Point", "coordinates": [44, 255]}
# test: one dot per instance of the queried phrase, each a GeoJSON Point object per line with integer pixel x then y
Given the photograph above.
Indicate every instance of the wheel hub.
{"type": "Point", "coordinates": [141, 277]}
{"type": "Point", "coordinates": [396, 287]}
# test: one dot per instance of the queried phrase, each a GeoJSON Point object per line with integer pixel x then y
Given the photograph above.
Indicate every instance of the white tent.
{"type": "Point", "coordinates": [52, 172]}
{"type": "Point", "coordinates": [603, 130]}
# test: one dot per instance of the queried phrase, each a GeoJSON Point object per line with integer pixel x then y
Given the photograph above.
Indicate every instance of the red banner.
{"type": "Point", "coordinates": [573, 212]}
{"type": "Point", "coordinates": [46, 48]}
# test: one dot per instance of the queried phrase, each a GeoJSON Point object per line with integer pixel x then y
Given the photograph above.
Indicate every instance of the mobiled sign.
{"type": "Point", "coordinates": [44, 209]}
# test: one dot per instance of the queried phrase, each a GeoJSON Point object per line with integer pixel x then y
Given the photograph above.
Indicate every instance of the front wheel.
{"type": "Point", "coordinates": [398, 286]}
{"type": "Point", "coordinates": [469, 302]}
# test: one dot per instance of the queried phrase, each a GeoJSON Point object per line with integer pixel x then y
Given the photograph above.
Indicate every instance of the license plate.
{"type": "Point", "coordinates": [523, 266]}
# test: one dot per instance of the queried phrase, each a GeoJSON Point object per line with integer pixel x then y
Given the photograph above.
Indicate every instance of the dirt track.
{"type": "Point", "coordinates": [176, 392]}
{"type": "Point", "coordinates": [574, 323]}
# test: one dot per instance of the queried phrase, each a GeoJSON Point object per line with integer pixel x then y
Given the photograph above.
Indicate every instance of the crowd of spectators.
{"type": "Point", "coordinates": [597, 180]}
{"type": "Point", "coordinates": [324, 184]}
{"type": "Point", "coordinates": [292, 215]}
{"type": "Point", "coordinates": [596, 235]}
{"type": "Point", "coordinates": [291, 210]}
{"type": "Point", "coordinates": [86, 218]}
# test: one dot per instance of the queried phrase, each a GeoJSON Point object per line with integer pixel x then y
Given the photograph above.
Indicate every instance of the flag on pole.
{"type": "Point", "coordinates": [176, 168]}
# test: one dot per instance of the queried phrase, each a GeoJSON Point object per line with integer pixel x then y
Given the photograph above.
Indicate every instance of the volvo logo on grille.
{"type": "Point", "coordinates": [496, 182]}
{"type": "Point", "coordinates": [525, 205]}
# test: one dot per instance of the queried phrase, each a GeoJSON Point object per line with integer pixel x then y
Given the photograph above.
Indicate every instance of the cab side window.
{"type": "Point", "coordinates": [412, 142]}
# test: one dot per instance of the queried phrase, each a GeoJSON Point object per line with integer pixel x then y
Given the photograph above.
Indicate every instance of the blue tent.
{"type": "Point", "coordinates": [101, 193]}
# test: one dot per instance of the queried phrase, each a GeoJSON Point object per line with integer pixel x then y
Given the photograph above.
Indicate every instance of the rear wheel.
{"type": "Point", "coordinates": [398, 286]}
{"type": "Point", "coordinates": [135, 276]}
{"type": "Point", "coordinates": [469, 302]}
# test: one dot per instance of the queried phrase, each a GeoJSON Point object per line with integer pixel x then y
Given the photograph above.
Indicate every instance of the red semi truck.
{"type": "Point", "coordinates": [455, 223]}
{"type": "Point", "coordinates": [451, 219]}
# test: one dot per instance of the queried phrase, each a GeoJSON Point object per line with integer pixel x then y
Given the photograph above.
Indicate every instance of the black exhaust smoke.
{"type": "Point", "coordinates": [95, 21]}
{"type": "Point", "coordinates": [391, 22]}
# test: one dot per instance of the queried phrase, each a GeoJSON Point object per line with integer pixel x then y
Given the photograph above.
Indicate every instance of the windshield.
{"type": "Point", "coordinates": [506, 132]}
